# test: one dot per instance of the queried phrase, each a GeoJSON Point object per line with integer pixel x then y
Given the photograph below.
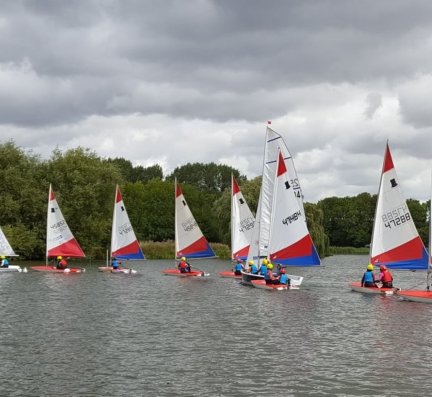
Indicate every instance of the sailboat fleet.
{"type": "Point", "coordinates": [277, 234]}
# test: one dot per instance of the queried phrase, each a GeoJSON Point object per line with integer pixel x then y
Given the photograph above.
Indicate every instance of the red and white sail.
{"type": "Point", "coordinates": [60, 240]}
{"type": "Point", "coordinates": [124, 244]}
{"type": "Point", "coordinates": [5, 247]}
{"type": "Point", "coordinates": [242, 223]}
{"type": "Point", "coordinates": [189, 240]}
{"type": "Point", "coordinates": [290, 242]}
{"type": "Point", "coordinates": [395, 240]}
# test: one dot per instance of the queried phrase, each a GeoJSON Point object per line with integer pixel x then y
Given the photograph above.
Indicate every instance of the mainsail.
{"type": "Point", "coordinates": [124, 244]}
{"type": "Point", "coordinates": [395, 239]}
{"type": "Point", "coordinates": [242, 223]}
{"type": "Point", "coordinates": [60, 240]}
{"type": "Point", "coordinates": [189, 240]}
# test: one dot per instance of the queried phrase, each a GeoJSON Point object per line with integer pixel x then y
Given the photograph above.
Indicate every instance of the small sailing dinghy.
{"type": "Point", "coordinates": [60, 240]}
{"type": "Point", "coordinates": [416, 295]}
{"type": "Point", "coordinates": [290, 242]}
{"type": "Point", "coordinates": [395, 241]}
{"type": "Point", "coordinates": [294, 247]}
{"type": "Point", "coordinates": [242, 225]}
{"type": "Point", "coordinates": [124, 244]}
{"type": "Point", "coordinates": [7, 251]}
{"type": "Point", "coordinates": [189, 240]}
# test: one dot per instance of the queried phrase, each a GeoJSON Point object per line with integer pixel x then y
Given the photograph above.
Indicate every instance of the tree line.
{"type": "Point", "coordinates": [85, 183]}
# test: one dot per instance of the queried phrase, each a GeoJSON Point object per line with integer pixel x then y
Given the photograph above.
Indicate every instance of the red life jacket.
{"type": "Point", "coordinates": [386, 277]}
{"type": "Point", "coordinates": [182, 265]}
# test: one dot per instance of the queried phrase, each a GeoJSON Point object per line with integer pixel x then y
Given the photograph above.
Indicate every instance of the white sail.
{"type": "Point", "coordinates": [124, 244]}
{"type": "Point", "coordinates": [395, 240]}
{"type": "Point", "coordinates": [5, 247]}
{"type": "Point", "coordinates": [290, 242]}
{"type": "Point", "coordinates": [242, 223]}
{"type": "Point", "coordinates": [189, 240]}
{"type": "Point", "coordinates": [60, 240]}
{"type": "Point", "coordinates": [273, 143]}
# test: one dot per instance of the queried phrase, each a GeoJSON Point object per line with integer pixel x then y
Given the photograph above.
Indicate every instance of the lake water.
{"type": "Point", "coordinates": [97, 334]}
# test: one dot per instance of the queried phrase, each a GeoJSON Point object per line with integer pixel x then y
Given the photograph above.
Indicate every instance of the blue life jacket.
{"type": "Point", "coordinates": [263, 270]}
{"type": "Point", "coordinates": [114, 264]}
{"type": "Point", "coordinates": [254, 269]}
{"type": "Point", "coordinates": [283, 279]}
{"type": "Point", "coordinates": [368, 277]}
{"type": "Point", "coordinates": [238, 266]}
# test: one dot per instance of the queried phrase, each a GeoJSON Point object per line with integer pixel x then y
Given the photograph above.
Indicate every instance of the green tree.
{"type": "Point", "coordinates": [209, 177]}
{"type": "Point", "coordinates": [85, 187]}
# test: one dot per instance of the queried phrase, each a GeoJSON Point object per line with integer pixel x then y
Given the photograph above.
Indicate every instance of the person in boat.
{"type": "Point", "coordinates": [369, 279]}
{"type": "Point", "coordinates": [263, 268]}
{"type": "Point", "coordinates": [238, 267]}
{"type": "Point", "coordinates": [283, 277]}
{"type": "Point", "coordinates": [184, 266]}
{"type": "Point", "coordinates": [4, 261]}
{"type": "Point", "coordinates": [61, 263]}
{"type": "Point", "coordinates": [252, 267]}
{"type": "Point", "coordinates": [385, 277]}
{"type": "Point", "coordinates": [114, 263]}
{"type": "Point", "coordinates": [269, 276]}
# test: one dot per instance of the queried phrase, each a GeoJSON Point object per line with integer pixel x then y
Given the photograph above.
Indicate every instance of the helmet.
{"type": "Point", "coordinates": [283, 270]}
{"type": "Point", "coordinates": [270, 266]}
{"type": "Point", "coordinates": [265, 261]}
{"type": "Point", "coordinates": [59, 257]}
{"type": "Point", "coordinates": [370, 266]}
{"type": "Point", "coordinates": [183, 258]}
{"type": "Point", "coordinates": [250, 262]}
{"type": "Point", "coordinates": [383, 267]}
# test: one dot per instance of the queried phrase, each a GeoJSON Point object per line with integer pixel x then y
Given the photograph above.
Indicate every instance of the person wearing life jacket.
{"type": "Point", "coordinates": [238, 267]}
{"type": "Point", "coordinates": [114, 263]}
{"type": "Point", "coordinates": [184, 266]}
{"type": "Point", "coordinates": [4, 261]}
{"type": "Point", "coordinates": [61, 263]}
{"type": "Point", "coordinates": [385, 277]}
{"type": "Point", "coordinates": [269, 277]}
{"type": "Point", "coordinates": [283, 278]}
{"type": "Point", "coordinates": [252, 267]}
{"type": "Point", "coordinates": [368, 279]}
{"type": "Point", "coordinates": [263, 267]}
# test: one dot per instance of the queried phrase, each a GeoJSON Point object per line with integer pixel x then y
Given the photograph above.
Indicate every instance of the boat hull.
{"type": "Point", "coordinates": [421, 296]}
{"type": "Point", "coordinates": [193, 273]}
{"type": "Point", "coordinates": [109, 269]}
{"type": "Point", "coordinates": [230, 274]}
{"type": "Point", "coordinates": [246, 278]}
{"type": "Point", "coordinates": [53, 269]}
{"type": "Point", "coordinates": [270, 287]}
{"type": "Point", "coordinates": [11, 269]}
{"type": "Point", "coordinates": [356, 286]}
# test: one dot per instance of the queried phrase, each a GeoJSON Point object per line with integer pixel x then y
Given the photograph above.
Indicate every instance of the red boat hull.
{"type": "Point", "coordinates": [53, 269]}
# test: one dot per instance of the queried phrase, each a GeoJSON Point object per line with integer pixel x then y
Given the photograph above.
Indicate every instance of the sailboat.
{"type": "Point", "coordinates": [59, 240]}
{"type": "Point", "coordinates": [124, 244]}
{"type": "Point", "coordinates": [290, 243]}
{"type": "Point", "coordinates": [189, 240]}
{"type": "Point", "coordinates": [395, 240]}
{"type": "Point", "coordinates": [7, 251]}
{"type": "Point", "coordinates": [259, 247]}
{"type": "Point", "coordinates": [242, 225]}
{"type": "Point", "coordinates": [422, 296]}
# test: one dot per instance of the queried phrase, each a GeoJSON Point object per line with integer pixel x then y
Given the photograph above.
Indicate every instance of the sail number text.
{"type": "Point", "coordinates": [292, 218]}
{"type": "Point", "coordinates": [396, 217]}
{"type": "Point", "coordinates": [246, 224]}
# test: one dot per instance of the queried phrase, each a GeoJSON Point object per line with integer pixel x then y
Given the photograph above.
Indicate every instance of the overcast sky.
{"type": "Point", "coordinates": [172, 82]}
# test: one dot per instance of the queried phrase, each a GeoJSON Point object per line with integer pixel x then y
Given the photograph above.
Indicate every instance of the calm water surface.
{"type": "Point", "coordinates": [99, 334]}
